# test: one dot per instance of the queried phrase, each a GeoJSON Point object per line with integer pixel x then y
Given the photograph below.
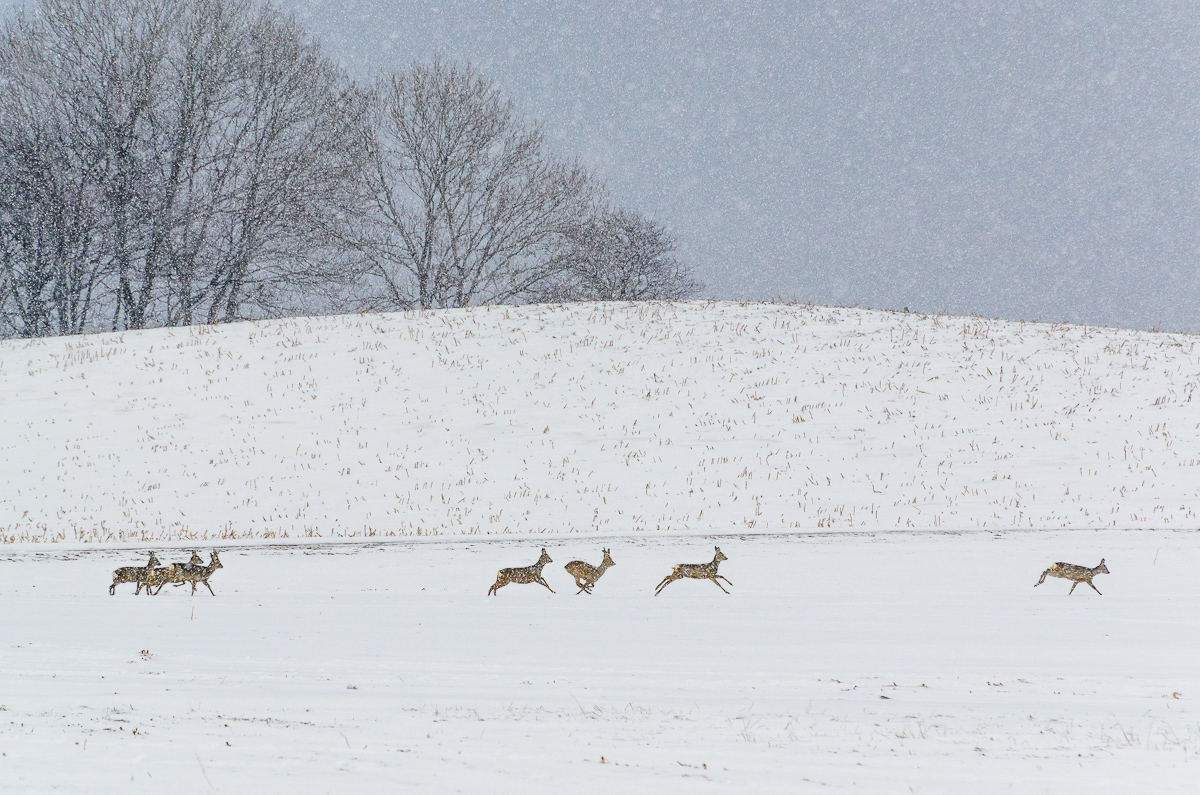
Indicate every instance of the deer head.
{"type": "Point", "coordinates": [720, 556]}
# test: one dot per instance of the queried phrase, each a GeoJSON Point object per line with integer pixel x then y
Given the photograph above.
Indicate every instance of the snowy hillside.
{"type": "Point", "coordinates": [917, 660]}
{"type": "Point", "coordinates": [693, 417]}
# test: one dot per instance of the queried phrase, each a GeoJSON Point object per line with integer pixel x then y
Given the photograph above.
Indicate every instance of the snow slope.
{"type": "Point", "coordinates": [887, 488]}
{"type": "Point", "coordinates": [609, 418]}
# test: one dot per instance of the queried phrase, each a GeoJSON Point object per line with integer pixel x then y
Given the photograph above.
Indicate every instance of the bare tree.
{"type": "Point", "coordinates": [618, 255]}
{"type": "Point", "coordinates": [176, 161]}
{"type": "Point", "coordinates": [184, 153]}
{"type": "Point", "coordinates": [289, 171]}
{"type": "Point", "coordinates": [105, 62]}
{"type": "Point", "coordinates": [129, 87]}
{"type": "Point", "coordinates": [464, 203]}
{"type": "Point", "coordinates": [200, 95]}
{"type": "Point", "coordinates": [50, 269]}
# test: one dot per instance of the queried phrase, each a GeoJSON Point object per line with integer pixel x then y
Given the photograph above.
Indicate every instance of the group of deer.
{"type": "Point", "coordinates": [153, 576]}
{"type": "Point", "coordinates": [586, 574]}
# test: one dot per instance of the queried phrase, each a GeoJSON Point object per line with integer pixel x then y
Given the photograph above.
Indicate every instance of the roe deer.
{"type": "Point", "coordinates": [195, 562]}
{"type": "Point", "coordinates": [526, 574]}
{"type": "Point", "coordinates": [586, 574]}
{"type": "Point", "coordinates": [132, 574]}
{"type": "Point", "coordinates": [696, 571]}
{"type": "Point", "coordinates": [197, 573]}
{"type": "Point", "coordinates": [158, 578]}
{"type": "Point", "coordinates": [1077, 574]}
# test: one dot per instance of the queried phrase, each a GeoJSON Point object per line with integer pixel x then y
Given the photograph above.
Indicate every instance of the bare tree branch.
{"type": "Point", "coordinates": [618, 255]}
{"type": "Point", "coordinates": [464, 203]}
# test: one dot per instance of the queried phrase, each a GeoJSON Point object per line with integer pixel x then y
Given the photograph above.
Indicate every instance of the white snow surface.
{"type": "Point", "coordinates": [844, 661]}
{"type": "Point", "coordinates": [887, 488]}
{"type": "Point", "coordinates": [596, 418]}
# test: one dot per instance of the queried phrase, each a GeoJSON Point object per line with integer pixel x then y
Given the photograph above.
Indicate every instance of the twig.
{"type": "Point", "coordinates": [204, 773]}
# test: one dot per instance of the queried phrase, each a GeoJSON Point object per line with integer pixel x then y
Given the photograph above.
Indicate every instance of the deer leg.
{"type": "Point", "coordinates": [723, 577]}
{"type": "Point", "coordinates": [714, 582]}
{"type": "Point", "coordinates": [1043, 579]}
{"type": "Point", "coordinates": [209, 587]}
{"type": "Point", "coordinates": [1094, 588]}
{"type": "Point", "coordinates": [1073, 588]}
{"type": "Point", "coordinates": [670, 578]}
{"type": "Point", "coordinates": [112, 589]}
{"type": "Point", "coordinates": [543, 582]}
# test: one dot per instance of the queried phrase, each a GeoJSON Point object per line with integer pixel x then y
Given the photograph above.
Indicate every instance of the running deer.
{"type": "Point", "coordinates": [156, 579]}
{"type": "Point", "coordinates": [696, 571]}
{"type": "Point", "coordinates": [195, 562]}
{"type": "Point", "coordinates": [523, 575]}
{"type": "Point", "coordinates": [196, 573]}
{"type": "Point", "coordinates": [132, 574]}
{"type": "Point", "coordinates": [586, 574]}
{"type": "Point", "coordinates": [1077, 574]}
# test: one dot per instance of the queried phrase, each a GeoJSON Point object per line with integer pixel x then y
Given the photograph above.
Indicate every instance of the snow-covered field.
{"type": "Point", "coordinates": [603, 419]}
{"type": "Point", "coordinates": [887, 487]}
{"type": "Point", "coordinates": [914, 662]}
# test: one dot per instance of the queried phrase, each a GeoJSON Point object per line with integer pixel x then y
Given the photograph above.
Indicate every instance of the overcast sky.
{"type": "Point", "coordinates": [1022, 160]}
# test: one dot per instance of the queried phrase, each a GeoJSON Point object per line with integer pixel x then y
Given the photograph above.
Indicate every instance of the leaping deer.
{"type": "Point", "coordinates": [526, 574]}
{"type": "Point", "coordinates": [586, 574]}
{"type": "Point", "coordinates": [696, 571]}
{"type": "Point", "coordinates": [1077, 574]}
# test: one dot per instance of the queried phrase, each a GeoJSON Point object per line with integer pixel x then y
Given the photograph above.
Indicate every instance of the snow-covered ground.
{"type": "Point", "coordinates": [696, 417]}
{"type": "Point", "coordinates": [887, 662]}
{"type": "Point", "coordinates": [887, 487]}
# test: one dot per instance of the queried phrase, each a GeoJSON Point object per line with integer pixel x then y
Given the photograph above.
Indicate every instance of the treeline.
{"type": "Point", "coordinates": [170, 162]}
